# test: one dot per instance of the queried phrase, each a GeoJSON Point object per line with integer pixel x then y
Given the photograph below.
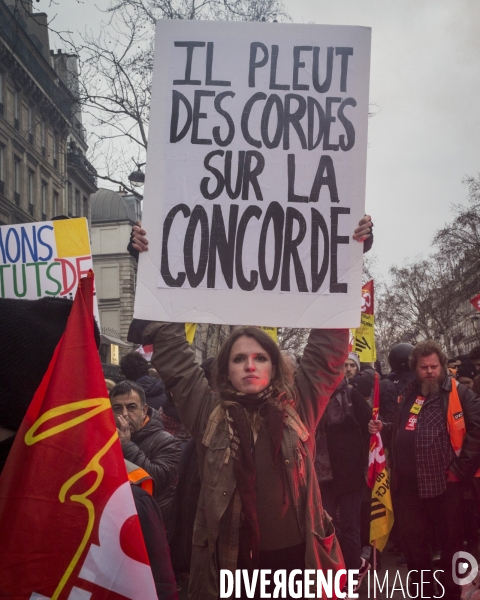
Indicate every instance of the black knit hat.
{"type": "Point", "coordinates": [467, 369]}
{"type": "Point", "coordinates": [363, 384]}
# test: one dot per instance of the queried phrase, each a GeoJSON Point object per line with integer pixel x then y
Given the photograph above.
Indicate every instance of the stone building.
{"type": "Point", "coordinates": [38, 122]}
{"type": "Point", "coordinates": [112, 216]}
{"type": "Point", "coordinates": [81, 176]}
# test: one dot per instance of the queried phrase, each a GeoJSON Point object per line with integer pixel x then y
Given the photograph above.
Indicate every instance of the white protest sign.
{"type": "Point", "coordinates": [255, 176]}
{"type": "Point", "coordinates": [44, 259]}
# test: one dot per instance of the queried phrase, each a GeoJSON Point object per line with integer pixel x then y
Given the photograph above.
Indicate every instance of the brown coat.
{"type": "Point", "coordinates": [215, 537]}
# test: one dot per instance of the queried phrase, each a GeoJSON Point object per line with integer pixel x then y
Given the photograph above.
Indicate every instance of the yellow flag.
{"type": "Point", "coordinates": [381, 510]}
{"type": "Point", "coordinates": [272, 332]}
{"type": "Point", "coordinates": [364, 337]}
{"type": "Point", "coordinates": [190, 329]}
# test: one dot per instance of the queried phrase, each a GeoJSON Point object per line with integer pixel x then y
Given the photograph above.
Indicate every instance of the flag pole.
{"type": "Point", "coordinates": [374, 567]}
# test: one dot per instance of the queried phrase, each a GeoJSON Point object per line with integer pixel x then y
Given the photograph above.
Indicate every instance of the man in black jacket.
{"type": "Point", "coordinates": [340, 462]}
{"type": "Point", "coordinates": [435, 442]}
{"type": "Point", "coordinates": [146, 443]}
{"type": "Point", "coordinates": [393, 385]}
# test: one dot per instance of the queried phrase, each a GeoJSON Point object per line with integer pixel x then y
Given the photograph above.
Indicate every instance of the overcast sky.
{"type": "Point", "coordinates": [425, 81]}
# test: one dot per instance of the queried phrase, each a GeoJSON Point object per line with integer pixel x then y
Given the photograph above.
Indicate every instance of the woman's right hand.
{"type": "Point", "coordinates": [375, 427]}
{"type": "Point", "coordinates": [139, 241]}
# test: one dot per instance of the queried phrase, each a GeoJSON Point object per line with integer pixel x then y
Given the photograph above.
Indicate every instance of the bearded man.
{"type": "Point", "coordinates": [435, 445]}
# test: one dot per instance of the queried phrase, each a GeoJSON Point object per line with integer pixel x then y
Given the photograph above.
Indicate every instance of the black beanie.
{"type": "Point", "coordinates": [466, 369]}
{"type": "Point", "coordinates": [362, 384]}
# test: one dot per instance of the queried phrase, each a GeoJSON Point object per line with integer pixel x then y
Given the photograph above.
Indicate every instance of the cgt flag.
{"type": "Point", "coordinates": [381, 511]}
{"type": "Point", "coordinates": [363, 342]}
{"type": "Point", "coordinates": [68, 524]}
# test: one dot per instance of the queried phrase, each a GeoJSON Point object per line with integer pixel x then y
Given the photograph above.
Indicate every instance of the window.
{"type": "Point", "coordinates": [78, 208]}
{"type": "Point", "coordinates": [55, 151]}
{"type": "Point", "coordinates": [31, 125]}
{"type": "Point", "coordinates": [70, 200]}
{"type": "Point", "coordinates": [31, 191]}
{"type": "Point", "coordinates": [16, 179]}
{"type": "Point", "coordinates": [16, 110]}
{"type": "Point", "coordinates": [1, 94]}
{"type": "Point", "coordinates": [44, 200]}
{"type": "Point", "coordinates": [55, 204]}
{"type": "Point", "coordinates": [85, 207]}
{"type": "Point", "coordinates": [43, 137]}
{"type": "Point", "coordinates": [2, 169]}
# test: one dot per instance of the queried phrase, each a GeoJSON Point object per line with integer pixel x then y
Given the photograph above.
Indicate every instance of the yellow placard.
{"type": "Point", "coordinates": [71, 237]}
{"type": "Point", "coordinates": [364, 339]}
{"type": "Point", "coordinates": [272, 332]}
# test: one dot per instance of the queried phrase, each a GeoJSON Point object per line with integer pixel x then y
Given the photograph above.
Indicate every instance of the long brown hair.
{"type": "Point", "coordinates": [282, 379]}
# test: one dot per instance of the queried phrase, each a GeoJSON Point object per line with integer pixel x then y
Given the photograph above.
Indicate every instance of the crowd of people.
{"type": "Point", "coordinates": [265, 429]}
{"type": "Point", "coordinates": [246, 492]}
{"type": "Point", "coordinates": [257, 459]}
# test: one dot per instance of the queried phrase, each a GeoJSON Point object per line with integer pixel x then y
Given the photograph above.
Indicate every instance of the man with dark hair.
{"type": "Point", "coordinates": [146, 443]}
{"type": "Point", "coordinates": [474, 357]}
{"type": "Point", "coordinates": [466, 373]}
{"type": "Point", "coordinates": [135, 368]}
{"type": "Point", "coordinates": [435, 444]}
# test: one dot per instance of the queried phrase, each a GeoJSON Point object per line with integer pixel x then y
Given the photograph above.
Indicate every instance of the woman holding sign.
{"type": "Point", "coordinates": [260, 505]}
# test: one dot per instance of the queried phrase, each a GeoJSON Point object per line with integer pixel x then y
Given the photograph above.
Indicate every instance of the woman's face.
{"type": "Point", "coordinates": [250, 367]}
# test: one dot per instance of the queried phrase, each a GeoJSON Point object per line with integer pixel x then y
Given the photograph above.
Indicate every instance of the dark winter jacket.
{"type": "Point", "coordinates": [186, 501]}
{"type": "Point", "coordinates": [153, 530]}
{"type": "Point", "coordinates": [390, 389]}
{"type": "Point", "coordinates": [155, 450]}
{"type": "Point", "coordinates": [476, 385]}
{"type": "Point", "coordinates": [154, 391]}
{"type": "Point", "coordinates": [342, 440]}
{"type": "Point", "coordinates": [468, 461]}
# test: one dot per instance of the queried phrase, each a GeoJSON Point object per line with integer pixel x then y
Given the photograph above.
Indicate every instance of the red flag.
{"type": "Point", "coordinates": [376, 457]}
{"type": "Point", "coordinates": [381, 510]}
{"type": "Point", "coordinates": [68, 524]}
{"type": "Point", "coordinates": [368, 307]}
{"type": "Point", "coordinates": [475, 302]}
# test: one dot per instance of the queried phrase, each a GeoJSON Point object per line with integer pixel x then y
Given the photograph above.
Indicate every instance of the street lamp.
{"type": "Point", "coordinates": [137, 178]}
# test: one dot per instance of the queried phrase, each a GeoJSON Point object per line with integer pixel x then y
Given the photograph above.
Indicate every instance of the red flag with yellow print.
{"type": "Point", "coordinates": [68, 523]}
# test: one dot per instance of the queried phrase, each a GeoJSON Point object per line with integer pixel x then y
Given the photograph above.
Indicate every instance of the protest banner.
{"type": "Point", "coordinates": [47, 258]}
{"type": "Point", "coordinates": [363, 342]}
{"type": "Point", "coordinates": [255, 176]}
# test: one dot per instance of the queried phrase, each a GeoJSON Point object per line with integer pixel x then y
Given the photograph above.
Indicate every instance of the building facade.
{"type": "Point", "coordinates": [112, 216]}
{"type": "Point", "coordinates": [38, 122]}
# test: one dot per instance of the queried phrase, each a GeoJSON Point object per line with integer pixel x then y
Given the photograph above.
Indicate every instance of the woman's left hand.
{"type": "Point", "coordinates": [364, 229]}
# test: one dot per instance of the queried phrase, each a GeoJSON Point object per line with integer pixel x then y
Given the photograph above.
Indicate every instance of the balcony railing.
{"type": "Point", "coordinates": [80, 162]}
{"type": "Point", "coordinates": [80, 129]}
